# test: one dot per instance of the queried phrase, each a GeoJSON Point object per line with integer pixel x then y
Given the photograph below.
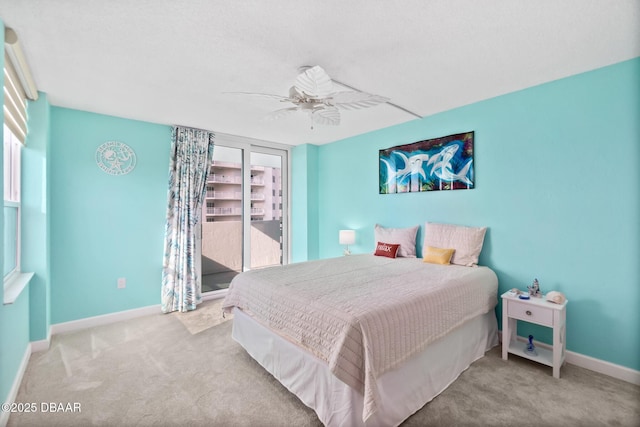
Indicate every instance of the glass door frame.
{"type": "Point", "coordinates": [248, 146]}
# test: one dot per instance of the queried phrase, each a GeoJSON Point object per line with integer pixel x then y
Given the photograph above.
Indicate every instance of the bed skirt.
{"type": "Point", "coordinates": [403, 390]}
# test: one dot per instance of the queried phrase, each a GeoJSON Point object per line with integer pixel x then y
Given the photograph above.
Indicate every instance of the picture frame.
{"type": "Point", "coordinates": [437, 164]}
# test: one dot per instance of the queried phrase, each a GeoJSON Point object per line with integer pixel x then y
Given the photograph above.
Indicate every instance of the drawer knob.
{"type": "Point", "coordinates": [528, 312]}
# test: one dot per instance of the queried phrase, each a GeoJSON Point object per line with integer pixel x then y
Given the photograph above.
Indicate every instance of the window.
{"type": "Point", "coordinates": [12, 151]}
{"type": "Point", "coordinates": [18, 86]}
{"type": "Point", "coordinates": [14, 135]}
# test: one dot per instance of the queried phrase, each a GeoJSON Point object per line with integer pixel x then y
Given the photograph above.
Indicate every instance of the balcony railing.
{"type": "Point", "coordinates": [232, 195]}
{"type": "Point", "coordinates": [225, 179]}
{"type": "Point", "coordinates": [211, 211]}
{"type": "Point", "coordinates": [224, 195]}
{"type": "Point", "coordinates": [224, 211]}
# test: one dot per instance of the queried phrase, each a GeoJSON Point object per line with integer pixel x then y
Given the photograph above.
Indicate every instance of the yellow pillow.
{"type": "Point", "coordinates": [438, 255]}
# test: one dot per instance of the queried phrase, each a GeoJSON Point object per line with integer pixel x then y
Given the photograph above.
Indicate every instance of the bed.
{"type": "Point", "coordinates": [365, 340]}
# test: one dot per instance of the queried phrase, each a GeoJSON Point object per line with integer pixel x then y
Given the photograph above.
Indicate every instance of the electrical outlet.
{"type": "Point", "coordinates": [122, 283]}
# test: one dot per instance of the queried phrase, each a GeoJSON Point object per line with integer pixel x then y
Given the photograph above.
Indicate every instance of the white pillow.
{"type": "Point", "coordinates": [467, 241]}
{"type": "Point", "coordinates": [405, 237]}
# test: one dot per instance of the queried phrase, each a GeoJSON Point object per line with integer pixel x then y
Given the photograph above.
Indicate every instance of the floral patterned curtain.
{"type": "Point", "coordinates": [191, 156]}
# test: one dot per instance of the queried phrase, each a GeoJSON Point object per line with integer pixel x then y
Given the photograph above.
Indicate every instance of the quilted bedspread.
{"type": "Point", "coordinates": [362, 314]}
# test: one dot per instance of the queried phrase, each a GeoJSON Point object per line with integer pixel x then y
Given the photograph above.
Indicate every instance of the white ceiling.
{"type": "Point", "coordinates": [170, 61]}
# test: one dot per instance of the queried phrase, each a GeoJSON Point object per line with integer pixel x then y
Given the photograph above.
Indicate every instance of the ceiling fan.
{"type": "Point", "coordinates": [313, 93]}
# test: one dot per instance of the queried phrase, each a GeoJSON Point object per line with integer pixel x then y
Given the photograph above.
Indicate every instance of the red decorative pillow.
{"type": "Point", "coordinates": [386, 249]}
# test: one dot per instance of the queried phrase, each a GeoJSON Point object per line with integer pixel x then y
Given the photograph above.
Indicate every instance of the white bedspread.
{"type": "Point", "coordinates": [364, 315]}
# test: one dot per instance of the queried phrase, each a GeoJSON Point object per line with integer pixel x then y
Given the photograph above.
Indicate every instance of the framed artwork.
{"type": "Point", "coordinates": [444, 163]}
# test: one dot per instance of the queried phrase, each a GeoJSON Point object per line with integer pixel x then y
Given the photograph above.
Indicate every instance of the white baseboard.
{"type": "Point", "coordinates": [601, 366]}
{"type": "Point", "coordinates": [105, 319]}
{"type": "Point", "coordinates": [611, 369]}
{"type": "Point", "coordinates": [13, 392]}
{"type": "Point", "coordinates": [41, 345]}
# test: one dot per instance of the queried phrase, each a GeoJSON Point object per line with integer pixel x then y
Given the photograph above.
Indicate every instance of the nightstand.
{"type": "Point", "coordinates": [540, 312]}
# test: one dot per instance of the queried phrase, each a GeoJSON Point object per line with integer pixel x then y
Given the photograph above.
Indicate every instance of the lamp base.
{"type": "Point", "coordinates": [347, 251]}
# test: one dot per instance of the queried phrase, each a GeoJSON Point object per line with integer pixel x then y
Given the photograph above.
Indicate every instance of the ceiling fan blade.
{"type": "Point", "coordinates": [314, 82]}
{"type": "Point", "coordinates": [326, 116]}
{"type": "Point", "coordinates": [278, 114]}
{"type": "Point", "coordinates": [355, 100]}
{"type": "Point", "coordinates": [265, 95]}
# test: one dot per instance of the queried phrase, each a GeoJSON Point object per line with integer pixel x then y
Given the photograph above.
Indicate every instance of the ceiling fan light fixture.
{"type": "Point", "coordinates": [387, 101]}
{"type": "Point", "coordinates": [313, 92]}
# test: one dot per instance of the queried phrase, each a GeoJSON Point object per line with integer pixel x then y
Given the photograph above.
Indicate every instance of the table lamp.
{"type": "Point", "coordinates": [347, 237]}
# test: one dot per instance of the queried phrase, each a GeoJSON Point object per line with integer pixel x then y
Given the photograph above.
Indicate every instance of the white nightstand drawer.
{"type": "Point", "coordinates": [531, 313]}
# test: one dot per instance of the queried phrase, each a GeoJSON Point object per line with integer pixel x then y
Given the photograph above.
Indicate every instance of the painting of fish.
{"type": "Point", "coordinates": [444, 163]}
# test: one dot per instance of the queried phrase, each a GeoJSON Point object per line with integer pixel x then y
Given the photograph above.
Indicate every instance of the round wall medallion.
{"type": "Point", "coordinates": [115, 158]}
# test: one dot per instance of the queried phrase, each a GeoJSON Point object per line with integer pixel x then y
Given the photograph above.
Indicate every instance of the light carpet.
{"type": "Point", "coordinates": [205, 316]}
{"type": "Point", "coordinates": [152, 371]}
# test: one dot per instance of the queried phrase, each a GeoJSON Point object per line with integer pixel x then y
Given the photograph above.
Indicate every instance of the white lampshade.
{"type": "Point", "coordinates": [347, 237]}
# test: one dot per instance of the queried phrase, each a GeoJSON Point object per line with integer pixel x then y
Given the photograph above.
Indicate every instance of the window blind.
{"type": "Point", "coordinates": [15, 108]}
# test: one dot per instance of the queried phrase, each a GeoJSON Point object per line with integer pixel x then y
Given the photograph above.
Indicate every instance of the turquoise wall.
{"type": "Point", "coordinates": [557, 183]}
{"type": "Point", "coordinates": [304, 203]}
{"type": "Point", "coordinates": [35, 205]}
{"type": "Point", "coordinates": [14, 340]}
{"type": "Point", "coordinates": [104, 227]}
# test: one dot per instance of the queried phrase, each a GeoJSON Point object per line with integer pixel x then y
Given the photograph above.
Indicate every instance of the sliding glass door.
{"type": "Point", "coordinates": [266, 240]}
{"type": "Point", "coordinates": [243, 217]}
{"type": "Point", "coordinates": [221, 220]}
